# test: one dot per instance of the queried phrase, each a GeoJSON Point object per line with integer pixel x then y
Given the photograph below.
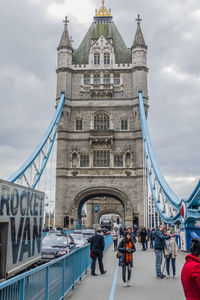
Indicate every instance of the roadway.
{"type": "Point", "coordinates": [145, 285]}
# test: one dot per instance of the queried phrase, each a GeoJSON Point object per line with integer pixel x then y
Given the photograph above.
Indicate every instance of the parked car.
{"type": "Point", "coordinates": [57, 244]}
{"type": "Point", "coordinates": [79, 240]}
{"type": "Point", "coordinates": [88, 233]}
{"type": "Point", "coordinates": [77, 231]}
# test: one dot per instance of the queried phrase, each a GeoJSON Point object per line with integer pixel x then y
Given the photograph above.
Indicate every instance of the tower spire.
{"type": "Point", "coordinates": [139, 38]}
{"type": "Point", "coordinates": [65, 41]}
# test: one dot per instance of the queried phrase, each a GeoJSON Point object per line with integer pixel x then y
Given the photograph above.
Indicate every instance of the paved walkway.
{"type": "Point", "coordinates": [145, 285]}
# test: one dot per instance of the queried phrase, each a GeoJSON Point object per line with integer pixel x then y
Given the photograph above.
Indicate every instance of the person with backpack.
{"type": "Point", "coordinates": [126, 249]}
{"type": "Point", "coordinates": [190, 275]}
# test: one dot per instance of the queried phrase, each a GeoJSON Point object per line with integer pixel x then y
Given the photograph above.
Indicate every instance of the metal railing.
{"type": "Point", "coordinates": [51, 281]}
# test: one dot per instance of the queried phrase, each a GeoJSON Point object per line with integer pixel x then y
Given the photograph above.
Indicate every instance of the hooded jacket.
{"type": "Point", "coordinates": [190, 277]}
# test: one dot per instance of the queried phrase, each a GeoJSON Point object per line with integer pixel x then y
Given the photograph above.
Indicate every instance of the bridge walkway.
{"type": "Point", "coordinates": [145, 285]}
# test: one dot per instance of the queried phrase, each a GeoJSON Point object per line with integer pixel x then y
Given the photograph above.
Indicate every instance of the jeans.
{"type": "Point", "coordinates": [97, 253]}
{"type": "Point", "coordinates": [115, 244]}
{"type": "Point", "coordinates": [144, 245]}
{"type": "Point", "coordinates": [158, 262]}
{"type": "Point", "coordinates": [127, 266]}
{"type": "Point", "coordinates": [173, 264]}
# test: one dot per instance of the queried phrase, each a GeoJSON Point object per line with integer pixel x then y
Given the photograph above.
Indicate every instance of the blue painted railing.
{"type": "Point", "coordinates": [51, 281]}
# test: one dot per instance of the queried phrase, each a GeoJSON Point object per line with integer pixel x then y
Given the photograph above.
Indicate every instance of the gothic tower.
{"type": "Point", "coordinates": [99, 146]}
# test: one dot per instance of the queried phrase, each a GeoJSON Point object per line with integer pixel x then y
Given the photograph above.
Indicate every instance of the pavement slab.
{"type": "Point", "coordinates": [145, 285]}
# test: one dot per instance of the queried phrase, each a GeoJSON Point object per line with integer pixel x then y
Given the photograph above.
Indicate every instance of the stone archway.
{"type": "Point", "coordinates": [97, 207]}
{"type": "Point", "coordinates": [108, 212]}
{"type": "Point", "coordinates": [90, 193]}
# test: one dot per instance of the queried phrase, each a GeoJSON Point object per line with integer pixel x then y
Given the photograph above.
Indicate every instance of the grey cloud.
{"type": "Point", "coordinates": [28, 80]}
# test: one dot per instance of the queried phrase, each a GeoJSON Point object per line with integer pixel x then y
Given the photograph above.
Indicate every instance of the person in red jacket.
{"type": "Point", "coordinates": [190, 275]}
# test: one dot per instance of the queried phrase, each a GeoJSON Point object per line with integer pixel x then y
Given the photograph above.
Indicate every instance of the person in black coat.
{"type": "Point", "coordinates": [143, 236]}
{"type": "Point", "coordinates": [127, 248]}
{"type": "Point", "coordinates": [97, 248]}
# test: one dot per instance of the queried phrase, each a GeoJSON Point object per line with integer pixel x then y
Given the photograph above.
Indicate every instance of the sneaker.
{"type": "Point", "coordinates": [160, 276]}
{"type": "Point", "coordinates": [168, 276]}
{"type": "Point", "coordinates": [124, 284]}
{"type": "Point", "coordinates": [128, 283]}
{"type": "Point", "coordinates": [174, 276]}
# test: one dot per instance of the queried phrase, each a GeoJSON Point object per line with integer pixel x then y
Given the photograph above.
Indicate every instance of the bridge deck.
{"type": "Point", "coordinates": [145, 285]}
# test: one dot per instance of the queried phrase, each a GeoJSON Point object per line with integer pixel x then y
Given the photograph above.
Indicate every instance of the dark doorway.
{"type": "Point", "coordinates": [3, 248]}
{"type": "Point", "coordinates": [135, 221]}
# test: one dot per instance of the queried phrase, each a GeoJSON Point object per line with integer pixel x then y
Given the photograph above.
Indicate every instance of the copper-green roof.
{"type": "Point", "coordinates": [109, 31]}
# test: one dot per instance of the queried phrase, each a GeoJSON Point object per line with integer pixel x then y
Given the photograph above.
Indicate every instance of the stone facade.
{"type": "Point", "coordinates": [99, 145]}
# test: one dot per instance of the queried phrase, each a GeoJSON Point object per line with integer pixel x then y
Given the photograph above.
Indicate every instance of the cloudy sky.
{"type": "Point", "coordinates": [30, 31]}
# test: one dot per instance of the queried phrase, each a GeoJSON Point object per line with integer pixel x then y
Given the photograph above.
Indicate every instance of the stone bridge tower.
{"type": "Point", "coordinates": [100, 147]}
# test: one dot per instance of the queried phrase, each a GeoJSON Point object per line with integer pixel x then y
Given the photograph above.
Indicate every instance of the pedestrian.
{"type": "Point", "coordinates": [97, 248]}
{"type": "Point", "coordinates": [126, 248]}
{"type": "Point", "coordinates": [121, 231]}
{"type": "Point", "coordinates": [171, 252]}
{"type": "Point", "coordinates": [190, 275]}
{"type": "Point", "coordinates": [152, 238]}
{"type": "Point", "coordinates": [143, 236]}
{"type": "Point", "coordinates": [160, 238]}
{"type": "Point", "coordinates": [115, 236]}
{"type": "Point", "coordinates": [132, 234]}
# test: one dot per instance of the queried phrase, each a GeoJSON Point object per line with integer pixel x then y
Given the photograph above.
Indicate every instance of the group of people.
{"type": "Point", "coordinates": [163, 243]}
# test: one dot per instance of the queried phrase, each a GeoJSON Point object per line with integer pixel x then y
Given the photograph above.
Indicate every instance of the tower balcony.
{"type": "Point", "coordinates": [99, 90]}
{"type": "Point", "coordinates": [101, 137]}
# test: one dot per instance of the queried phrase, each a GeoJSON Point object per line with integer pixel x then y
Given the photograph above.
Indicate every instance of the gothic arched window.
{"type": "Point", "coordinates": [97, 58]}
{"type": "Point", "coordinates": [106, 79]}
{"type": "Point", "coordinates": [86, 79]}
{"type": "Point", "coordinates": [106, 58]}
{"type": "Point", "coordinates": [101, 121]}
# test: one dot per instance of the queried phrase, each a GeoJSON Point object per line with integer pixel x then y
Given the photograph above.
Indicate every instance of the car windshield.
{"type": "Point", "coordinates": [55, 239]}
{"type": "Point", "coordinates": [78, 237]}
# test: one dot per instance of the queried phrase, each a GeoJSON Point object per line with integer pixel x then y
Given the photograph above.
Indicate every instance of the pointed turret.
{"type": "Point", "coordinates": [65, 53]}
{"type": "Point", "coordinates": [65, 41]}
{"type": "Point", "coordinates": [139, 60]}
{"type": "Point", "coordinates": [139, 41]}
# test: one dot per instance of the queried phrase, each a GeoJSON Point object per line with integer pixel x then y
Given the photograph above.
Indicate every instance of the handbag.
{"type": "Point", "coordinates": [119, 254]}
{"type": "Point", "coordinates": [139, 239]}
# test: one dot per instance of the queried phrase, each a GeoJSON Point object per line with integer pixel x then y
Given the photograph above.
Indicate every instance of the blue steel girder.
{"type": "Point", "coordinates": [173, 199]}
{"type": "Point", "coordinates": [167, 219]}
{"type": "Point", "coordinates": [48, 142]}
{"type": "Point", "coordinates": [157, 181]}
{"type": "Point", "coordinates": [194, 199]}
